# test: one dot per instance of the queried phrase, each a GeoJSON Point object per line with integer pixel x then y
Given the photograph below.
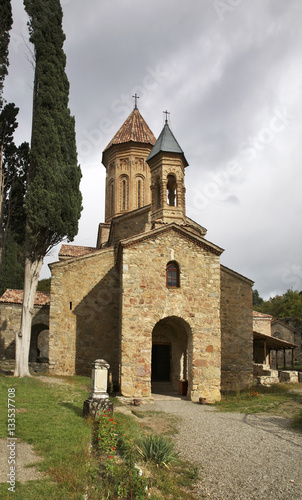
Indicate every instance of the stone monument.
{"type": "Point", "coordinates": [98, 400]}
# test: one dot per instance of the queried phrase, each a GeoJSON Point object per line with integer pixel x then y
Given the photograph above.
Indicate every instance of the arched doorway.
{"type": "Point", "coordinates": [39, 344]}
{"type": "Point", "coordinates": [171, 355]}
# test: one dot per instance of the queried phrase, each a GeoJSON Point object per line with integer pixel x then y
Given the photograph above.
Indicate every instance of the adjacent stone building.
{"type": "Point", "coordinates": [274, 342]}
{"type": "Point", "coordinates": [10, 316]}
{"type": "Point", "coordinates": [151, 298]}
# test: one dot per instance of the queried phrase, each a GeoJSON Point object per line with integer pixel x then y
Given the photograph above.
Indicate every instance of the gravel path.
{"type": "Point", "coordinates": [241, 457]}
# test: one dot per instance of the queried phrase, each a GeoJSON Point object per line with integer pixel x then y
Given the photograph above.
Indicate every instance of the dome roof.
{"type": "Point", "coordinates": [134, 129]}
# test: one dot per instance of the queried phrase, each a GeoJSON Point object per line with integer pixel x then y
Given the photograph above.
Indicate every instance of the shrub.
{"type": "Point", "coordinates": [159, 450]}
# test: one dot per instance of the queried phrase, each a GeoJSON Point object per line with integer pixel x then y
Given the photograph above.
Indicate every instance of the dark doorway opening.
{"type": "Point", "coordinates": [161, 356]}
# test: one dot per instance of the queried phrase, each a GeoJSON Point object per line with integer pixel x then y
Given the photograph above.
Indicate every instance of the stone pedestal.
{"type": "Point", "coordinates": [98, 400]}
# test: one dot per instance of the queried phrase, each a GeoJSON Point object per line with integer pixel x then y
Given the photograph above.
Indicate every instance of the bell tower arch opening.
{"type": "Point", "coordinates": [171, 190]}
{"type": "Point", "coordinates": [171, 361]}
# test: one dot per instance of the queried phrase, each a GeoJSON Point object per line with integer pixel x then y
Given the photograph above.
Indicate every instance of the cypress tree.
{"type": "Point", "coordinates": [6, 21]}
{"type": "Point", "coordinates": [53, 199]}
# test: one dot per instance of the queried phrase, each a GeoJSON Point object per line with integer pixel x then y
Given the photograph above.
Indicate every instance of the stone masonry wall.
{"type": "Point", "coordinates": [195, 305]}
{"type": "Point", "coordinates": [84, 314]}
{"type": "Point", "coordinates": [10, 320]}
{"type": "Point", "coordinates": [129, 225]}
{"type": "Point", "coordinates": [283, 331]}
{"type": "Point", "coordinates": [236, 331]}
{"type": "Point", "coordinates": [262, 324]}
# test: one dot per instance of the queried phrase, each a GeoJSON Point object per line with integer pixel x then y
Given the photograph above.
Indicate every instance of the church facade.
{"type": "Point", "coordinates": [152, 297]}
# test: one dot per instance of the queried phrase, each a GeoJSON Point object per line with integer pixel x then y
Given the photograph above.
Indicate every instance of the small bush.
{"type": "Point", "coordinates": [159, 450]}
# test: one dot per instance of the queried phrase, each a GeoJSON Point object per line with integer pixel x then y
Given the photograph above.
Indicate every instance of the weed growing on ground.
{"type": "Point", "coordinates": [159, 450]}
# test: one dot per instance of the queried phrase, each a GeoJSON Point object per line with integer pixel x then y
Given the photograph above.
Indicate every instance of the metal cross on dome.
{"type": "Point", "coordinates": [166, 113]}
{"type": "Point", "coordinates": [135, 97]}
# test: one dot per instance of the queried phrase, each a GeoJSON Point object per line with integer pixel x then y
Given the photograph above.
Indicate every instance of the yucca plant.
{"type": "Point", "coordinates": [159, 450]}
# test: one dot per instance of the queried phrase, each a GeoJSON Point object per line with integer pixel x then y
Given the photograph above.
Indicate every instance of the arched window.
{"type": "Point", "coordinates": [111, 197]}
{"type": "Point", "coordinates": [171, 191]}
{"type": "Point", "coordinates": [172, 275]}
{"type": "Point", "coordinates": [139, 192]}
{"type": "Point", "coordinates": [124, 192]}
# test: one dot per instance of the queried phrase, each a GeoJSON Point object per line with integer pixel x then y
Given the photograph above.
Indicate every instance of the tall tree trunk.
{"type": "Point", "coordinates": [31, 277]}
{"type": "Point", "coordinates": [1, 206]}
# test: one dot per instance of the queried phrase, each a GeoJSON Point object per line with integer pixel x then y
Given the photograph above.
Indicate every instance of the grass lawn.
{"type": "Point", "coordinates": [49, 417]}
{"type": "Point", "coordinates": [284, 400]}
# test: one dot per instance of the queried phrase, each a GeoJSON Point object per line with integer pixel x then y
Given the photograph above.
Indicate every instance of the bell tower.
{"type": "Point", "coordinates": [127, 173]}
{"type": "Point", "coordinates": [167, 165]}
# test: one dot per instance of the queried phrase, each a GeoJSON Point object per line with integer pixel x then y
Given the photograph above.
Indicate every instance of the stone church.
{"type": "Point", "coordinates": [152, 297]}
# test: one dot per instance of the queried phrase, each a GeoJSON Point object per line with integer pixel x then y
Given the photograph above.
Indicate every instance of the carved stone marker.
{"type": "Point", "coordinates": [98, 400]}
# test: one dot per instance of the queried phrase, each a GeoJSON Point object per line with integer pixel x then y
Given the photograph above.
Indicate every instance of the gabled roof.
{"type": "Point", "coordinates": [198, 240]}
{"type": "Point", "coordinates": [134, 129]}
{"type": "Point", "coordinates": [277, 320]}
{"type": "Point", "coordinates": [260, 315]}
{"type": "Point", "coordinates": [75, 251]}
{"type": "Point", "coordinates": [11, 296]}
{"type": "Point", "coordinates": [166, 143]}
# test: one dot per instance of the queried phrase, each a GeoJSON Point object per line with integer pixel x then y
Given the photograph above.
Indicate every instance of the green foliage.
{"type": "Point", "coordinates": [288, 305]}
{"type": "Point", "coordinates": [53, 199]}
{"type": "Point", "coordinates": [120, 477]}
{"type": "Point", "coordinates": [6, 21]}
{"type": "Point", "coordinates": [8, 125]}
{"type": "Point", "coordinates": [15, 170]}
{"type": "Point", "coordinates": [257, 300]}
{"type": "Point", "coordinates": [12, 232]}
{"type": "Point", "coordinates": [158, 449]}
{"type": "Point", "coordinates": [12, 274]}
{"type": "Point", "coordinates": [44, 285]}
{"type": "Point", "coordinates": [105, 433]}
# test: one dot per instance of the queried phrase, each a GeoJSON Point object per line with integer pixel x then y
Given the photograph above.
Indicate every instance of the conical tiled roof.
{"type": "Point", "coordinates": [167, 143]}
{"type": "Point", "coordinates": [134, 129]}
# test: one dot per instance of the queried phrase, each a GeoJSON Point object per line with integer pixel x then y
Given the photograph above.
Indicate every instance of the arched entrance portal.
{"type": "Point", "coordinates": [39, 344]}
{"type": "Point", "coordinates": [171, 355]}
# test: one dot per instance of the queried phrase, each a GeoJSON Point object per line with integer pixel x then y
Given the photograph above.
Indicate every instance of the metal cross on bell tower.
{"type": "Point", "coordinates": [166, 113]}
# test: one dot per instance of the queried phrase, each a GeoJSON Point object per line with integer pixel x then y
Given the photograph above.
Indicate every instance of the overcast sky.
{"type": "Point", "coordinates": [230, 73]}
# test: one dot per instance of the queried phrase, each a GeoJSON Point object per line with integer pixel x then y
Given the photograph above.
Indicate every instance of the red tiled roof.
{"type": "Point", "coordinates": [257, 314]}
{"type": "Point", "coordinates": [16, 297]}
{"type": "Point", "coordinates": [75, 251]}
{"type": "Point", "coordinates": [134, 129]}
